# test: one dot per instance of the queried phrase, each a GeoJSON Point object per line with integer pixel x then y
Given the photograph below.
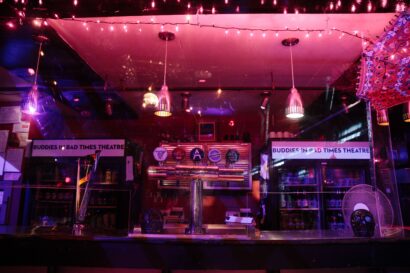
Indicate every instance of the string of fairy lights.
{"type": "Point", "coordinates": [70, 8]}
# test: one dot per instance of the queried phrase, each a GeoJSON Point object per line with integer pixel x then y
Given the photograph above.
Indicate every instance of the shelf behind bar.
{"type": "Point", "coordinates": [295, 209]}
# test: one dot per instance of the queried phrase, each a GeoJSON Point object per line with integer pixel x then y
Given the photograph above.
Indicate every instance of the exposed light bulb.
{"type": "Point", "coordinates": [153, 4]}
{"type": "Point", "coordinates": [75, 2]}
{"type": "Point", "coordinates": [369, 6]}
{"type": "Point", "coordinates": [307, 35]}
{"type": "Point", "coordinates": [353, 8]}
{"type": "Point", "coordinates": [331, 6]}
{"type": "Point", "coordinates": [31, 71]}
{"type": "Point", "coordinates": [10, 25]}
{"type": "Point", "coordinates": [384, 3]}
{"type": "Point", "coordinates": [219, 91]}
{"type": "Point", "coordinates": [226, 2]}
{"type": "Point", "coordinates": [111, 28]}
{"type": "Point", "coordinates": [285, 11]}
{"type": "Point", "coordinates": [275, 2]}
{"type": "Point", "coordinates": [277, 34]}
{"type": "Point", "coordinates": [176, 28]}
{"type": "Point", "coordinates": [40, 2]}
{"type": "Point", "coordinates": [213, 10]}
{"type": "Point", "coordinates": [320, 34]}
{"type": "Point", "coordinates": [188, 5]}
{"type": "Point", "coordinates": [37, 23]}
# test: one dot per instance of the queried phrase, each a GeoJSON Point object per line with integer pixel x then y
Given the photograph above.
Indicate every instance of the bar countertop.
{"type": "Point", "coordinates": [268, 250]}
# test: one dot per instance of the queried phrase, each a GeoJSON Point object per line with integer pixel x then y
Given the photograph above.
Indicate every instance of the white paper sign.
{"type": "Point", "coordinates": [2, 160]}
{"type": "Point", "coordinates": [4, 136]}
{"type": "Point", "coordinates": [320, 150]}
{"type": "Point", "coordinates": [10, 114]}
{"type": "Point", "coordinates": [77, 147]}
{"type": "Point", "coordinates": [14, 159]}
{"type": "Point", "coordinates": [22, 127]}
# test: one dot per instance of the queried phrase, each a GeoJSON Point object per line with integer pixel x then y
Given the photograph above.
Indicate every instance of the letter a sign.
{"type": "Point", "coordinates": [196, 154]}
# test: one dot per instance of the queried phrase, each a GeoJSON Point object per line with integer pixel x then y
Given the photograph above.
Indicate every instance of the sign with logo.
{"type": "Point", "coordinates": [197, 154]}
{"type": "Point", "coordinates": [320, 150]}
{"type": "Point", "coordinates": [214, 155]}
{"type": "Point", "coordinates": [232, 156]}
{"type": "Point", "coordinates": [160, 154]}
{"type": "Point", "coordinates": [178, 154]}
{"type": "Point", "coordinates": [77, 147]}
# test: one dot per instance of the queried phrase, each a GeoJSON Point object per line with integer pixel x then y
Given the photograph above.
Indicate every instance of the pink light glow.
{"type": "Point", "coordinates": [10, 25]}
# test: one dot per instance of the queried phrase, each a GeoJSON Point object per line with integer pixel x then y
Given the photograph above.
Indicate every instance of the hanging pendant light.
{"type": "Point", "coordinates": [31, 106]}
{"type": "Point", "coordinates": [294, 106]}
{"type": "Point", "coordinates": [150, 99]}
{"type": "Point", "coordinates": [406, 112]}
{"type": "Point", "coordinates": [382, 117]}
{"type": "Point", "coordinates": [164, 99]}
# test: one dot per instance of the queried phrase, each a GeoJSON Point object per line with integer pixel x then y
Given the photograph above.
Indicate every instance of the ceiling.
{"type": "Point", "coordinates": [203, 56]}
{"type": "Point", "coordinates": [201, 59]}
{"type": "Point", "coordinates": [210, 53]}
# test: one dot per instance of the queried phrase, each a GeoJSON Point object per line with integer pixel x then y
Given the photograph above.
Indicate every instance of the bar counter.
{"type": "Point", "coordinates": [268, 251]}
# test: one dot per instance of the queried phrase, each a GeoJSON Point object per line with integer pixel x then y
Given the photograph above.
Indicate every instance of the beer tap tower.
{"type": "Point", "coordinates": [197, 174]}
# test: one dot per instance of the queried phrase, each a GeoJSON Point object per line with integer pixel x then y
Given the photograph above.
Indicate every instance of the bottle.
{"type": "Point", "coordinates": [290, 202]}
{"type": "Point", "coordinates": [108, 177]}
{"type": "Point", "coordinates": [282, 201]}
{"type": "Point", "coordinates": [305, 202]}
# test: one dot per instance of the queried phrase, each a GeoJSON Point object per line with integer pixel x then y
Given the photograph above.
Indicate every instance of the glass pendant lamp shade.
{"type": "Point", "coordinates": [406, 112]}
{"type": "Point", "coordinates": [31, 104]}
{"type": "Point", "coordinates": [382, 117]}
{"type": "Point", "coordinates": [294, 108]}
{"type": "Point", "coordinates": [164, 103]}
{"type": "Point", "coordinates": [164, 99]}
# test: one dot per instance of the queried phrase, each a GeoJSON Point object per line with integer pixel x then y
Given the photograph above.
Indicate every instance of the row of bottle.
{"type": "Point", "coordinates": [296, 222]}
{"type": "Point", "coordinates": [335, 221]}
{"type": "Point", "coordinates": [54, 195]}
{"type": "Point", "coordinates": [342, 182]}
{"type": "Point", "coordinates": [298, 201]}
{"type": "Point", "coordinates": [98, 198]}
{"type": "Point", "coordinates": [102, 220]}
{"type": "Point", "coordinates": [302, 177]}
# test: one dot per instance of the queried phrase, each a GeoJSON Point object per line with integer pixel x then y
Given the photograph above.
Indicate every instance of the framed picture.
{"type": "Point", "coordinates": [206, 131]}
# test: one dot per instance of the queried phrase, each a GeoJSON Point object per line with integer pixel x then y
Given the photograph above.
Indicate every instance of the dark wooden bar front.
{"type": "Point", "coordinates": [201, 253]}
